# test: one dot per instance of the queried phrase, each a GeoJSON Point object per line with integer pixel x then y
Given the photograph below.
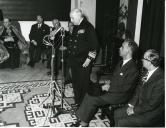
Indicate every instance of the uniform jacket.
{"type": "Point", "coordinates": [38, 34]}
{"type": "Point", "coordinates": [149, 98]}
{"type": "Point", "coordinates": [82, 41]}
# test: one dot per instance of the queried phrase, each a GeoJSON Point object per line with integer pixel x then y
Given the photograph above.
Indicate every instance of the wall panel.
{"type": "Point", "coordinates": [26, 10]}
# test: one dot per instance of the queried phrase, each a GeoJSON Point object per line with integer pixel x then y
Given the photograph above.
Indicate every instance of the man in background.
{"type": "Point", "coordinates": [55, 39]}
{"type": "Point", "coordinates": [37, 48]}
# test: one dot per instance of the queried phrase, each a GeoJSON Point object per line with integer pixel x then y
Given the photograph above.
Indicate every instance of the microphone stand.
{"type": "Point", "coordinates": [54, 88]}
{"type": "Point", "coordinates": [60, 109]}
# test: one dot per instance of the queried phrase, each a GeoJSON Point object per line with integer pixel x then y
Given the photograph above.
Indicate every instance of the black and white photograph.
{"type": "Point", "coordinates": [82, 63]}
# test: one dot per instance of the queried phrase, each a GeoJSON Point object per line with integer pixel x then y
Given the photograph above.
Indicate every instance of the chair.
{"type": "Point", "coordinates": [110, 58]}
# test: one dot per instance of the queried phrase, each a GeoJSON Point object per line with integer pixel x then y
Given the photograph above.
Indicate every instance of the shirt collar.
{"type": "Point", "coordinates": [151, 72]}
{"type": "Point", "coordinates": [125, 61]}
{"type": "Point", "coordinates": [81, 21]}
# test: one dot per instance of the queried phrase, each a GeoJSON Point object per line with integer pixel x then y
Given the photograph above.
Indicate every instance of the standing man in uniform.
{"type": "Point", "coordinates": [38, 31]}
{"type": "Point", "coordinates": [82, 51]}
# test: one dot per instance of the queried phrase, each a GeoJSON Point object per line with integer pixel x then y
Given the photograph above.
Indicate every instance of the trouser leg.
{"type": "Point", "coordinates": [80, 80]}
{"type": "Point", "coordinates": [89, 107]}
{"type": "Point", "coordinates": [31, 53]}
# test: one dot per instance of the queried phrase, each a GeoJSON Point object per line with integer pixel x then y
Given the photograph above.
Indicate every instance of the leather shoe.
{"type": "Point", "coordinates": [31, 64]}
{"type": "Point", "coordinates": [76, 124]}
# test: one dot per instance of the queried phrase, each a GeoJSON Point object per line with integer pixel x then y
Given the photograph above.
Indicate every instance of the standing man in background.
{"type": "Point", "coordinates": [55, 38]}
{"type": "Point", "coordinates": [38, 31]}
{"type": "Point", "coordinates": [82, 49]}
{"type": "Point", "coordinates": [68, 37]}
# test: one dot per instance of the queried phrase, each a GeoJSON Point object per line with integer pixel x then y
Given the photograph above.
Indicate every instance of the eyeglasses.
{"type": "Point", "coordinates": [146, 59]}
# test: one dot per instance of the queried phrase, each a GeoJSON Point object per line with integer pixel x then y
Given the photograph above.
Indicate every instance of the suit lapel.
{"type": "Point", "coordinates": [126, 64]}
{"type": "Point", "coordinates": [152, 77]}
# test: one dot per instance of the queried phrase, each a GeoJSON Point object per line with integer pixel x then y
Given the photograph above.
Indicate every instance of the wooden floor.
{"type": "Point", "coordinates": [24, 73]}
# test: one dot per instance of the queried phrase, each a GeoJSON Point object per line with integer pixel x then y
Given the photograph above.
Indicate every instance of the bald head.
{"type": "Point", "coordinates": [76, 16]}
{"type": "Point", "coordinates": [6, 22]}
{"type": "Point", "coordinates": [56, 23]}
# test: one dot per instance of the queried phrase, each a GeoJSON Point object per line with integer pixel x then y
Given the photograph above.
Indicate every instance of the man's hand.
{"type": "Point", "coordinates": [130, 111]}
{"type": "Point", "coordinates": [34, 42]}
{"type": "Point", "coordinates": [86, 63]}
{"type": "Point", "coordinates": [105, 87]}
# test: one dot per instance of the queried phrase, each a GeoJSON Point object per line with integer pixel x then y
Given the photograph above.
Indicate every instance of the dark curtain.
{"type": "Point", "coordinates": [152, 27]}
{"type": "Point", "coordinates": [1, 15]}
{"type": "Point", "coordinates": [131, 20]}
{"type": "Point", "coordinates": [107, 12]}
{"type": "Point", "coordinates": [26, 10]}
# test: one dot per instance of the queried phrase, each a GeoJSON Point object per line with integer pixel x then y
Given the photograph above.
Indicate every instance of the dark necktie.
{"type": "Point", "coordinates": [144, 78]}
{"type": "Point", "coordinates": [121, 64]}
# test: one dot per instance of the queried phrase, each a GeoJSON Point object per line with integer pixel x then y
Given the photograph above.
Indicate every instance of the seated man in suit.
{"type": "Point", "coordinates": [122, 86]}
{"type": "Point", "coordinates": [147, 105]}
{"type": "Point", "coordinates": [37, 33]}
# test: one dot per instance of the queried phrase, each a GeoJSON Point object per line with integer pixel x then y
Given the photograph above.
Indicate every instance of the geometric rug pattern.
{"type": "Point", "coordinates": [8, 100]}
{"type": "Point", "coordinates": [2, 124]}
{"type": "Point", "coordinates": [39, 116]}
{"type": "Point", "coordinates": [10, 93]}
{"type": "Point", "coordinates": [35, 114]}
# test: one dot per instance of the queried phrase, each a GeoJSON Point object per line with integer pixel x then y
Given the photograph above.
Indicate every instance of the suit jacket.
{"type": "Point", "coordinates": [37, 34]}
{"type": "Point", "coordinates": [149, 98]}
{"type": "Point", "coordinates": [123, 83]}
{"type": "Point", "coordinates": [82, 41]}
{"type": "Point", "coordinates": [124, 77]}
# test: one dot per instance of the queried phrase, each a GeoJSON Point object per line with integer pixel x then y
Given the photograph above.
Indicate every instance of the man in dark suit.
{"type": "Point", "coordinates": [147, 106]}
{"type": "Point", "coordinates": [38, 31]}
{"type": "Point", "coordinates": [56, 39]}
{"type": "Point", "coordinates": [82, 48]}
{"type": "Point", "coordinates": [119, 90]}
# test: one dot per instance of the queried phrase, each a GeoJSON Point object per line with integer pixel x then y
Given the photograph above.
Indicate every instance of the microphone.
{"type": "Point", "coordinates": [62, 31]}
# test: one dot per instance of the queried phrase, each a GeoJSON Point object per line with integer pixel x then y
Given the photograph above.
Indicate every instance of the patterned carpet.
{"type": "Point", "coordinates": [30, 97]}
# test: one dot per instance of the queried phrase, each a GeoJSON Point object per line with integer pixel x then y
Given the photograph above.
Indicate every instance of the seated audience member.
{"type": "Point", "coordinates": [55, 38]}
{"type": "Point", "coordinates": [119, 90]}
{"type": "Point", "coordinates": [147, 105]}
{"type": "Point", "coordinates": [14, 42]}
{"type": "Point", "coordinates": [37, 48]}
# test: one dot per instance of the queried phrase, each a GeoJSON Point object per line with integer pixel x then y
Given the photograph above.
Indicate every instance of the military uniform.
{"type": "Point", "coordinates": [81, 44]}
